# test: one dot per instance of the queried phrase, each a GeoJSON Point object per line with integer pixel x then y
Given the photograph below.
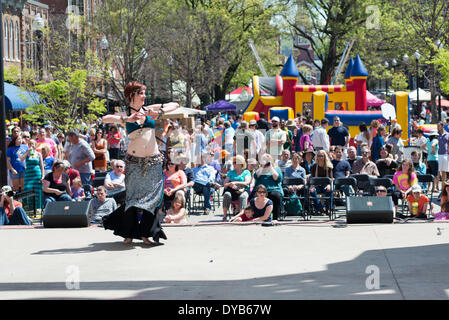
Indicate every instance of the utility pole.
{"type": "Point", "coordinates": [3, 168]}
{"type": "Point", "coordinates": [256, 55]}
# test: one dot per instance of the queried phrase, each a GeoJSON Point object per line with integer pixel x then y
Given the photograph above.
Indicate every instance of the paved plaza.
{"type": "Point", "coordinates": [315, 259]}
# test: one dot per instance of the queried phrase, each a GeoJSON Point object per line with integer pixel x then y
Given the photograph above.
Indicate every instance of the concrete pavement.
{"type": "Point", "coordinates": [307, 260]}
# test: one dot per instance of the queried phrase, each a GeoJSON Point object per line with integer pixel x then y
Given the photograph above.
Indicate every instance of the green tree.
{"type": "Point", "coordinates": [399, 81]}
{"type": "Point", "coordinates": [442, 62]}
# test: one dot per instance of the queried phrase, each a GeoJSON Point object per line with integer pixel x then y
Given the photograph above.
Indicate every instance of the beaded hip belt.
{"type": "Point", "coordinates": [157, 158]}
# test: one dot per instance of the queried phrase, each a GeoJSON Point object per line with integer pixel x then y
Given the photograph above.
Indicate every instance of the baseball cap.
{"type": "Point", "coordinates": [252, 122]}
{"type": "Point", "coordinates": [275, 119]}
{"type": "Point", "coordinates": [416, 188]}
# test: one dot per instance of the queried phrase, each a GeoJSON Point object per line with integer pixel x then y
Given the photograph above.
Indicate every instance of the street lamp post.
{"type": "Point", "coordinates": [170, 63]}
{"type": "Point", "coordinates": [3, 167]}
{"type": "Point", "coordinates": [104, 47]}
{"type": "Point", "coordinates": [417, 56]}
{"type": "Point", "coordinates": [38, 25]}
{"type": "Point", "coordinates": [386, 79]}
{"type": "Point", "coordinates": [405, 58]}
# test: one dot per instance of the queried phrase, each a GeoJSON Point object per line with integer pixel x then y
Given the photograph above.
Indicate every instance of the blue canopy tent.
{"type": "Point", "coordinates": [18, 99]}
{"type": "Point", "coordinates": [221, 105]}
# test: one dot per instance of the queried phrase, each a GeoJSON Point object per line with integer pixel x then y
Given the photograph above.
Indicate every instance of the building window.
{"type": "Point", "coordinates": [6, 40]}
{"type": "Point", "coordinates": [11, 41]}
{"type": "Point", "coordinates": [17, 38]}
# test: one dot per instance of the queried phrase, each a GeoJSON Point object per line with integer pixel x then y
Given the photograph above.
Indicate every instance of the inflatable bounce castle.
{"type": "Point", "coordinates": [282, 96]}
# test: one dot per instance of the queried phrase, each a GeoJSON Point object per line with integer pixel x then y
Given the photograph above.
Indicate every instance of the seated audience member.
{"type": "Point", "coordinates": [322, 168]}
{"type": "Point", "coordinates": [204, 179]}
{"type": "Point", "coordinates": [175, 183]}
{"type": "Point", "coordinates": [114, 181]}
{"type": "Point", "coordinates": [417, 203]}
{"type": "Point", "coordinates": [252, 167]}
{"type": "Point", "coordinates": [101, 206]}
{"type": "Point", "coordinates": [183, 162]}
{"type": "Point", "coordinates": [11, 211]}
{"type": "Point", "coordinates": [295, 171]}
{"type": "Point", "coordinates": [378, 142]}
{"type": "Point", "coordinates": [78, 193]}
{"type": "Point", "coordinates": [443, 214]}
{"type": "Point", "coordinates": [72, 173]}
{"type": "Point", "coordinates": [221, 166]}
{"type": "Point", "coordinates": [352, 156]}
{"type": "Point", "coordinates": [177, 212]}
{"type": "Point", "coordinates": [309, 161]}
{"type": "Point", "coordinates": [342, 168]}
{"type": "Point", "coordinates": [246, 215]}
{"type": "Point", "coordinates": [432, 157]}
{"type": "Point", "coordinates": [331, 153]}
{"type": "Point", "coordinates": [271, 177]}
{"type": "Point", "coordinates": [261, 205]}
{"type": "Point", "coordinates": [365, 165]}
{"type": "Point", "coordinates": [284, 161]}
{"type": "Point", "coordinates": [444, 193]}
{"type": "Point", "coordinates": [403, 180]}
{"type": "Point", "coordinates": [56, 184]}
{"type": "Point", "coordinates": [385, 164]}
{"type": "Point", "coordinates": [419, 166]}
{"type": "Point", "coordinates": [236, 186]}
{"type": "Point", "coordinates": [47, 158]}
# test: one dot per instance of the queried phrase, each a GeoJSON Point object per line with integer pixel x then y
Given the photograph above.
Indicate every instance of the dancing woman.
{"type": "Point", "coordinates": [144, 179]}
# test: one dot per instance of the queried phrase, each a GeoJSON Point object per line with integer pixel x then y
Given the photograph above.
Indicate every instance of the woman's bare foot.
{"type": "Point", "coordinates": [147, 241]}
{"type": "Point", "coordinates": [128, 240]}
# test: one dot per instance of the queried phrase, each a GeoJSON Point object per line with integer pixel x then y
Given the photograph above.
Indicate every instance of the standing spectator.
{"type": "Point", "coordinates": [275, 139]}
{"type": "Point", "coordinates": [420, 142]}
{"type": "Point", "coordinates": [101, 206]}
{"type": "Point", "coordinates": [228, 138]}
{"type": "Point", "coordinates": [244, 140]}
{"type": "Point", "coordinates": [365, 165]}
{"type": "Point", "coordinates": [339, 135]}
{"type": "Point", "coordinates": [259, 139]}
{"type": "Point", "coordinates": [262, 124]}
{"type": "Point", "coordinates": [60, 146]}
{"type": "Point", "coordinates": [271, 177]}
{"type": "Point", "coordinates": [373, 131]}
{"type": "Point", "coordinates": [100, 149]}
{"type": "Point", "coordinates": [378, 142]}
{"type": "Point", "coordinates": [288, 144]}
{"type": "Point", "coordinates": [80, 156]}
{"type": "Point", "coordinates": [362, 137]}
{"type": "Point", "coordinates": [34, 173]}
{"type": "Point", "coordinates": [394, 125]}
{"type": "Point", "coordinates": [46, 157]}
{"type": "Point", "coordinates": [297, 133]}
{"type": "Point", "coordinates": [113, 138]}
{"type": "Point", "coordinates": [432, 157]}
{"type": "Point", "coordinates": [443, 151]}
{"type": "Point", "coordinates": [15, 157]}
{"type": "Point", "coordinates": [320, 138]}
{"type": "Point", "coordinates": [398, 146]}
{"type": "Point", "coordinates": [43, 139]}
{"type": "Point", "coordinates": [305, 142]}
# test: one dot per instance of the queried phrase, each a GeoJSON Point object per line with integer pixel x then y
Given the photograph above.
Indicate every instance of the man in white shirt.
{"type": "Point", "coordinates": [229, 133]}
{"type": "Point", "coordinates": [259, 138]}
{"type": "Point", "coordinates": [320, 139]}
{"type": "Point", "coordinates": [275, 139]}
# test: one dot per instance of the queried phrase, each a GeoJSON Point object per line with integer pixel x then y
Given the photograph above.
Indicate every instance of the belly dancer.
{"type": "Point", "coordinates": [144, 178]}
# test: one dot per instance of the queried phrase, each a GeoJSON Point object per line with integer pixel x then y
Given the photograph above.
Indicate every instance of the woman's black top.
{"type": "Point", "coordinates": [59, 186]}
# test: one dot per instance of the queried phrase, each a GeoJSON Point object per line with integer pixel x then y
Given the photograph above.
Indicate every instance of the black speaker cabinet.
{"type": "Point", "coordinates": [369, 210]}
{"type": "Point", "coordinates": [66, 214]}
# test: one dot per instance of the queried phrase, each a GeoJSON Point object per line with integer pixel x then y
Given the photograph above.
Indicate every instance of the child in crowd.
{"type": "Point", "coordinates": [417, 203]}
{"type": "Point", "coordinates": [77, 190]}
{"type": "Point", "coordinates": [246, 215]}
{"type": "Point", "coordinates": [177, 212]}
{"type": "Point", "coordinates": [444, 214]}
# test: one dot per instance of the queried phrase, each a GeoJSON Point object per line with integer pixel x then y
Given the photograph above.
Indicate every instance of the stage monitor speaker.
{"type": "Point", "coordinates": [66, 214]}
{"type": "Point", "coordinates": [369, 210]}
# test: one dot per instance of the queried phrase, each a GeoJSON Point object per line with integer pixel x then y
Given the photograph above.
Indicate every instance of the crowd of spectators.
{"type": "Point", "coordinates": [245, 161]}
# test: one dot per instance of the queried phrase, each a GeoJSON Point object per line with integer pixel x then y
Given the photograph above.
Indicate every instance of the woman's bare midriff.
{"type": "Point", "coordinates": [142, 143]}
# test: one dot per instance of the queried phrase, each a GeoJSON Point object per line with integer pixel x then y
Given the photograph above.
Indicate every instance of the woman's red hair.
{"type": "Point", "coordinates": [132, 89]}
